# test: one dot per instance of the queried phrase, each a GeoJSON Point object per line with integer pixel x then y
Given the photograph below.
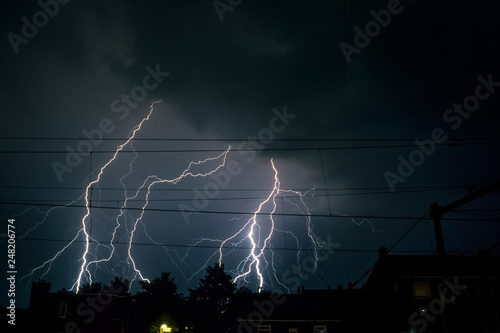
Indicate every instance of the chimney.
{"type": "Point", "coordinates": [382, 252]}
{"type": "Point", "coordinates": [39, 294]}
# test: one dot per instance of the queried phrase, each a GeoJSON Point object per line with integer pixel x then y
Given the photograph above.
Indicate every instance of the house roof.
{"type": "Point", "coordinates": [394, 266]}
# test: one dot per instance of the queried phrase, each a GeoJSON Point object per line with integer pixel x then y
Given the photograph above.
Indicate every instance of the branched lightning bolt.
{"type": "Point", "coordinates": [49, 262]}
{"type": "Point", "coordinates": [255, 254]}
{"type": "Point", "coordinates": [259, 230]}
{"type": "Point", "coordinates": [256, 233]}
{"type": "Point", "coordinates": [44, 213]}
{"type": "Point", "coordinates": [89, 259]}
{"type": "Point", "coordinates": [87, 200]}
{"type": "Point", "coordinates": [156, 180]}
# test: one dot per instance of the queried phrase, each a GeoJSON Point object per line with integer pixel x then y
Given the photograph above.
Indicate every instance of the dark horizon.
{"type": "Point", "coordinates": [344, 120]}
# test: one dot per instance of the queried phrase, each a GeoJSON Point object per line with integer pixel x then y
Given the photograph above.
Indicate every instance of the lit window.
{"type": "Point", "coordinates": [485, 294]}
{"type": "Point", "coordinates": [293, 330]}
{"type": "Point", "coordinates": [421, 290]}
{"type": "Point", "coordinates": [490, 321]}
{"type": "Point", "coordinates": [63, 308]}
{"type": "Point", "coordinates": [263, 328]}
{"type": "Point", "coordinates": [319, 329]}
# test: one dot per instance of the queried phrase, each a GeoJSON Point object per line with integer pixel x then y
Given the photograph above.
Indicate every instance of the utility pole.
{"type": "Point", "coordinates": [436, 211]}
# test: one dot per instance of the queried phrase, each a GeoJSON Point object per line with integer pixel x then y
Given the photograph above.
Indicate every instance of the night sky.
{"type": "Point", "coordinates": [370, 111]}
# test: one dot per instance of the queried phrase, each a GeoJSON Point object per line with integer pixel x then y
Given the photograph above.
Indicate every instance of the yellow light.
{"type": "Point", "coordinates": [165, 328]}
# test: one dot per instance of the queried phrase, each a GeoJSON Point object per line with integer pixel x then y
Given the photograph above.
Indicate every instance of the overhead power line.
{"type": "Point", "coordinates": [61, 201]}
{"type": "Point", "coordinates": [408, 188]}
{"type": "Point", "coordinates": [243, 139]}
{"type": "Point", "coordinates": [408, 231]}
{"type": "Point", "coordinates": [239, 212]}
{"type": "Point", "coordinates": [201, 246]}
{"type": "Point", "coordinates": [315, 192]}
{"type": "Point", "coordinates": [243, 149]}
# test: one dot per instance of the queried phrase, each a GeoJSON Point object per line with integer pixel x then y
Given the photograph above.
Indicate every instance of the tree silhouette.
{"type": "Point", "coordinates": [118, 286]}
{"type": "Point", "coordinates": [93, 288]}
{"type": "Point", "coordinates": [211, 300]}
{"type": "Point", "coordinates": [159, 303]}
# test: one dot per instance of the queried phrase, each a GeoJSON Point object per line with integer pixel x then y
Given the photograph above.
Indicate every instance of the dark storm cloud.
{"type": "Point", "coordinates": [284, 53]}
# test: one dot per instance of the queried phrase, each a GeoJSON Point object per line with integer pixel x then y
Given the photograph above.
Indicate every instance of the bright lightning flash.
{"type": "Point", "coordinates": [255, 235]}
{"type": "Point", "coordinates": [148, 183]}
{"type": "Point", "coordinates": [259, 230]}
